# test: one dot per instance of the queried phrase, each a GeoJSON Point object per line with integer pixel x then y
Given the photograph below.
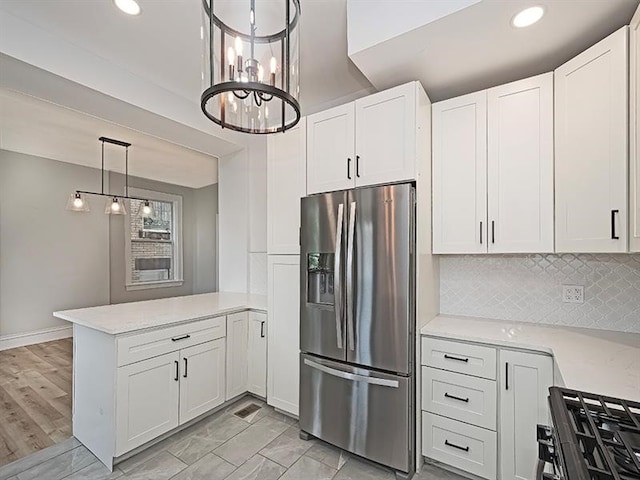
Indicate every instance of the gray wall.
{"type": "Point", "coordinates": [52, 259]}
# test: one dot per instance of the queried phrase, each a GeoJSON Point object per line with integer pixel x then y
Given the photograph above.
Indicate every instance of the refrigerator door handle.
{"type": "Point", "coordinates": [338, 275]}
{"type": "Point", "coordinates": [350, 255]}
{"type": "Point", "coordinates": [352, 376]}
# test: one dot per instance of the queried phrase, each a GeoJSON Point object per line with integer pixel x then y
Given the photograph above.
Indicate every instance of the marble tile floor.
{"type": "Point", "coordinates": [263, 446]}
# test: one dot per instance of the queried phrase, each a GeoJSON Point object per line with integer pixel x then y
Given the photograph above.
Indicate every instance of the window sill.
{"type": "Point", "coordinates": [150, 285]}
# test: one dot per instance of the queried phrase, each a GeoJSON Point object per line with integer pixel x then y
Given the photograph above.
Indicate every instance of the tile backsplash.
{"type": "Point", "coordinates": [528, 288]}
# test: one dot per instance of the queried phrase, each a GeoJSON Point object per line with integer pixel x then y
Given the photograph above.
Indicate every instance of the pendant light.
{"type": "Point", "coordinates": [251, 81]}
{"type": "Point", "coordinates": [78, 203]}
{"type": "Point", "coordinates": [146, 210]}
{"type": "Point", "coordinates": [116, 203]}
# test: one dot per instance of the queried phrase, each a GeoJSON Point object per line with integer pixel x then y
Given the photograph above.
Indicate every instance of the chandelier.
{"type": "Point", "coordinates": [251, 64]}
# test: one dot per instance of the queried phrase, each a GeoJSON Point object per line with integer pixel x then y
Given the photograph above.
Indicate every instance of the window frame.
{"type": "Point", "coordinates": [176, 242]}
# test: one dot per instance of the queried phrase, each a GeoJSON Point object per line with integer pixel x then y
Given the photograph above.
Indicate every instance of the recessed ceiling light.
{"type": "Point", "coordinates": [129, 7]}
{"type": "Point", "coordinates": [528, 16]}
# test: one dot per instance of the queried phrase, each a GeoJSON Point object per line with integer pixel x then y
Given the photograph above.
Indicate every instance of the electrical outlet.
{"type": "Point", "coordinates": [573, 294]}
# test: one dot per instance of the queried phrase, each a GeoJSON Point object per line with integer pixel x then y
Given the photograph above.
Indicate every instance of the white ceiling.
{"type": "Point", "coordinates": [35, 127]}
{"type": "Point", "coordinates": [476, 47]}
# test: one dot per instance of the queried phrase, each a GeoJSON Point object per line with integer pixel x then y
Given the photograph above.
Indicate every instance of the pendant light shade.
{"type": "Point", "coordinates": [78, 203]}
{"type": "Point", "coordinates": [115, 206]}
{"type": "Point", "coordinates": [146, 210]}
{"type": "Point", "coordinates": [251, 69]}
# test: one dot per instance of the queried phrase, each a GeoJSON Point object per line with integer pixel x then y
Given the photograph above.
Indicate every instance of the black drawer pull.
{"type": "Point", "coordinates": [183, 337]}
{"type": "Point", "coordinates": [458, 359]}
{"type": "Point", "coordinates": [262, 329]}
{"type": "Point", "coordinates": [465, 400]}
{"type": "Point", "coordinates": [448, 444]}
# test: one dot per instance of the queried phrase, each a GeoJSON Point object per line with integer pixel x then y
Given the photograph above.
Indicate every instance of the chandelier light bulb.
{"type": "Point", "coordinates": [232, 56]}
{"type": "Point", "coordinates": [239, 46]}
{"type": "Point", "coordinates": [78, 202]}
{"type": "Point", "coordinates": [260, 73]}
{"type": "Point", "coordinates": [115, 205]}
{"type": "Point", "coordinates": [273, 64]}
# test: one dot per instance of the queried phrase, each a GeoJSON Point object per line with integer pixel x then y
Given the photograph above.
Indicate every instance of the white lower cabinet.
{"type": "Point", "coordinates": [460, 445]}
{"type": "Point", "coordinates": [202, 379]}
{"type": "Point", "coordinates": [147, 395]}
{"type": "Point", "coordinates": [524, 387]}
{"type": "Point", "coordinates": [284, 332]}
{"type": "Point", "coordinates": [484, 426]}
{"type": "Point", "coordinates": [257, 376]}
{"type": "Point", "coordinates": [237, 350]}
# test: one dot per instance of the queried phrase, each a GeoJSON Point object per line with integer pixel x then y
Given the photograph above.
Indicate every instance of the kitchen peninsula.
{"type": "Point", "coordinates": [143, 369]}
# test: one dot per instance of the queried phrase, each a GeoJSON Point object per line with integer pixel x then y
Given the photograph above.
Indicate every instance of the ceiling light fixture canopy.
{"type": "Point", "coordinates": [115, 204]}
{"type": "Point", "coordinates": [130, 7]}
{"type": "Point", "coordinates": [528, 16]}
{"type": "Point", "coordinates": [251, 81]}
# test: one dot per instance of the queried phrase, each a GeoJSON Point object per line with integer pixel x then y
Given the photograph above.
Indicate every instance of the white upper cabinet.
{"type": "Point", "coordinates": [386, 136]}
{"type": "Point", "coordinates": [330, 149]}
{"type": "Point", "coordinates": [634, 133]}
{"type": "Point", "coordinates": [520, 166]}
{"type": "Point", "coordinates": [367, 142]}
{"type": "Point", "coordinates": [460, 174]}
{"type": "Point", "coordinates": [591, 133]}
{"type": "Point", "coordinates": [286, 185]}
{"type": "Point", "coordinates": [493, 170]}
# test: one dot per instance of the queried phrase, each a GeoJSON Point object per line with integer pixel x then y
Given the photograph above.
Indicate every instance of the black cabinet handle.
{"type": "Point", "coordinates": [358, 166]}
{"type": "Point", "coordinates": [262, 329]}
{"type": "Point", "coordinates": [177, 371]}
{"type": "Point", "coordinates": [449, 444]}
{"type": "Point", "coordinates": [493, 231]}
{"type": "Point", "coordinates": [460, 399]}
{"type": "Point", "coordinates": [183, 337]}
{"type": "Point", "coordinates": [613, 225]}
{"type": "Point", "coordinates": [349, 168]}
{"type": "Point", "coordinates": [186, 366]}
{"type": "Point", "coordinates": [506, 375]}
{"type": "Point", "coordinates": [480, 233]}
{"type": "Point", "coordinates": [449, 357]}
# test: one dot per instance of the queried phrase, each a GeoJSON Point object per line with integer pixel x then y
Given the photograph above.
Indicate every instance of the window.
{"type": "Point", "coordinates": [154, 243]}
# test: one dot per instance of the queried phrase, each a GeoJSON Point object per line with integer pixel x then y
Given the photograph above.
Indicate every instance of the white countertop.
{"type": "Point", "coordinates": [130, 317]}
{"type": "Point", "coordinates": [598, 361]}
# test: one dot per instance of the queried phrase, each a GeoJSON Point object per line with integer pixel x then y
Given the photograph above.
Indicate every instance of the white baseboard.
{"type": "Point", "coordinates": [15, 340]}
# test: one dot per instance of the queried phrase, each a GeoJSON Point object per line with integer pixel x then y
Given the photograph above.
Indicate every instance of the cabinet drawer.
{"type": "Point", "coordinates": [459, 357]}
{"type": "Point", "coordinates": [135, 348]}
{"type": "Point", "coordinates": [462, 397]}
{"type": "Point", "coordinates": [469, 448]}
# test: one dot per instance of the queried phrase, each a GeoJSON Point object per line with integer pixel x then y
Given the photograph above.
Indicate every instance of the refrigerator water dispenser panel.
{"type": "Point", "coordinates": [320, 278]}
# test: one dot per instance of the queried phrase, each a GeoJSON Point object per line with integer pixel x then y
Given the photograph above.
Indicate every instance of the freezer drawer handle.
{"type": "Point", "coordinates": [352, 376]}
{"type": "Point", "coordinates": [458, 359]}
{"type": "Point", "coordinates": [449, 444]}
{"type": "Point", "coordinates": [465, 400]}
{"type": "Point", "coordinates": [338, 275]}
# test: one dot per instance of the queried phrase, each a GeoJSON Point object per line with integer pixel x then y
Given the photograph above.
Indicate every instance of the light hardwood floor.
{"type": "Point", "coordinates": [35, 398]}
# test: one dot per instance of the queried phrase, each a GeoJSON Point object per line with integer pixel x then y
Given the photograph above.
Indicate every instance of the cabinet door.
{"type": "Point", "coordinates": [146, 400]}
{"type": "Point", "coordinates": [283, 337]}
{"type": "Point", "coordinates": [520, 166]}
{"type": "Point", "coordinates": [386, 136]}
{"type": "Point", "coordinates": [237, 350]}
{"type": "Point", "coordinates": [525, 379]}
{"type": "Point", "coordinates": [591, 133]}
{"type": "Point", "coordinates": [634, 133]}
{"type": "Point", "coordinates": [330, 150]}
{"type": "Point", "coordinates": [257, 383]}
{"type": "Point", "coordinates": [202, 379]}
{"type": "Point", "coordinates": [460, 174]}
{"type": "Point", "coordinates": [286, 185]}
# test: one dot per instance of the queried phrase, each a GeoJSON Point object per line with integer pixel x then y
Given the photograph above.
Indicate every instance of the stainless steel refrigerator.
{"type": "Point", "coordinates": [357, 322]}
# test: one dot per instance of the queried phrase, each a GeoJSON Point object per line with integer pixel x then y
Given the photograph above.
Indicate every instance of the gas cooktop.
{"type": "Point", "coordinates": [595, 437]}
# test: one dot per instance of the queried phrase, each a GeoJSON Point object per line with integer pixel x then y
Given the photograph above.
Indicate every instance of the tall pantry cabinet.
{"type": "Point", "coordinates": [286, 185]}
{"type": "Point", "coordinates": [591, 141]}
{"type": "Point", "coordinates": [634, 133]}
